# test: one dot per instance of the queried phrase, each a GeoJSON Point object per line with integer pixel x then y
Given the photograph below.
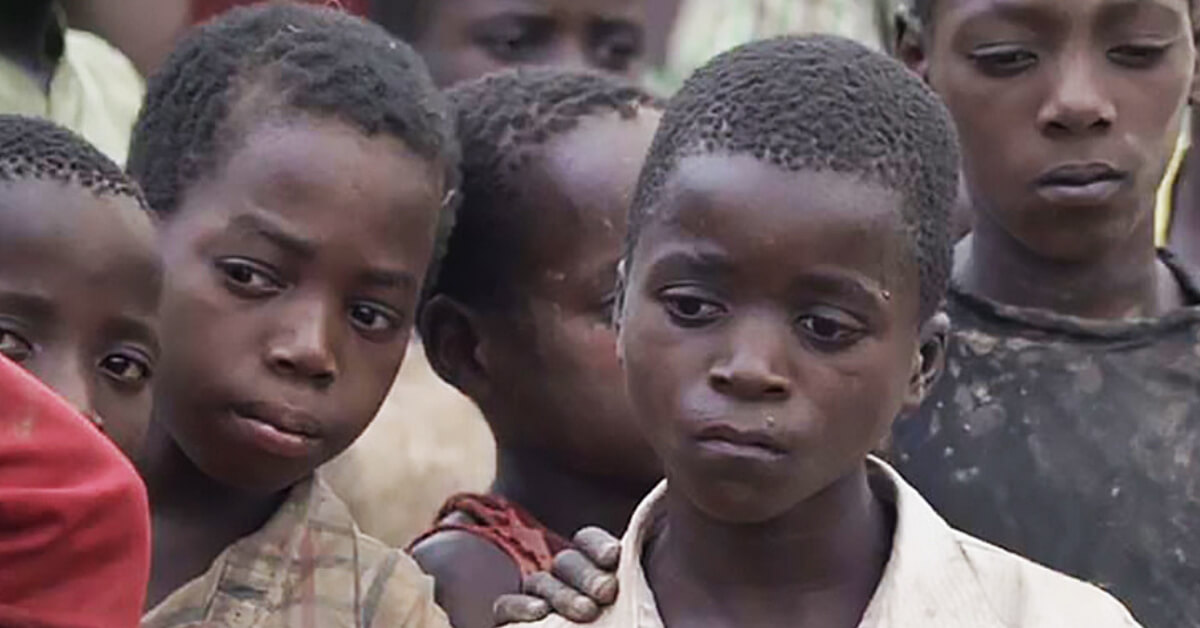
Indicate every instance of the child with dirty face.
{"type": "Point", "coordinates": [788, 252]}
{"type": "Point", "coordinates": [80, 276]}
{"type": "Point", "coordinates": [466, 39]}
{"type": "Point", "coordinates": [299, 159]}
{"type": "Point", "coordinates": [79, 285]}
{"type": "Point", "coordinates": [1066, 427]}
{"type": "Point", "coordinates": [520, 320]}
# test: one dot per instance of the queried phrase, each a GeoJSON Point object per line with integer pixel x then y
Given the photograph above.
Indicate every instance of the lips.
{"type": "Point", "coordinates": [1081, 183]}
{"type": "Point", "coordinates": [277, 428]}
{"type": "Point", "coordinates": [730, 441]}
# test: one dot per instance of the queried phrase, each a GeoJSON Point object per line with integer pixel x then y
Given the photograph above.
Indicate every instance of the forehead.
{"type": "Point", "coordinates": [634, 10]}
{"type": "Point", "coordinates": [58, 235]}
{"type": "Point", "coordinates": [334, 184]}
{"type": "Point", "coordinates": [1052, 11]}
{"type": "Point", "coordinates": [765, 219]}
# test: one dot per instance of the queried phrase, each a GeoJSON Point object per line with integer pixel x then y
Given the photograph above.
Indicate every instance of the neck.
{"type": "Point", "coordinates": [562, 499]}
{"type": "Point", "coordinates": [24, 29]}
{"type": "Point", "coordinates": [818, 564]}
{"type": "Point", "coordinates": [194, 517]}
{"type": "Point", "coordinates": [1128, 280]}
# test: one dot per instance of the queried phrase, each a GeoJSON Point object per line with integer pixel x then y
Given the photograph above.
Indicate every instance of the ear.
{"type": "Point", "coordinates": [910, 44]}
{"type": "Point", "coordinates": [928, 361]}
{"type": "Point", "coordinates": [455, 345]}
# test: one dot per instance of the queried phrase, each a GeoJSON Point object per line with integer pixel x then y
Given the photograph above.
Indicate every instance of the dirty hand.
{"type": "Point", "coordinates": [581, 582]}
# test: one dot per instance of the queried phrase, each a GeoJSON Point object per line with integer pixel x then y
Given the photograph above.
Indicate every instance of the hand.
{"type": "Point", "coordinates": [581, 582]}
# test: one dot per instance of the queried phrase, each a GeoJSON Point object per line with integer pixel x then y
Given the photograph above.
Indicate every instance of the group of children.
{"type": "Point", "coordinates": [740, 289]}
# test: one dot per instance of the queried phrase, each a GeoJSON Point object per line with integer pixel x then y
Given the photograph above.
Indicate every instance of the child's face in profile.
{"type": "Point", "coordinates": [293, 274]}
{"type": "Point", "coordinates": [79, 285]}
{"type": "Point", "coordinates": [559, 362]}
{"type": "Point", "coordinates": [465, 39]}
{"type": "Point", "coordinates": [1068, 111]}
{"type": "Point", "coordinates": [770, 331]}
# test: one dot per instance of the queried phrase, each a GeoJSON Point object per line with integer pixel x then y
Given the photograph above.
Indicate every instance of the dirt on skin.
{"type": "Point", "coordinates": [427, 443]}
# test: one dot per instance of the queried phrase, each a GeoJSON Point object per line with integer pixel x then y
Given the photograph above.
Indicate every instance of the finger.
{"type": "Point", "coordinates": [563, 599]}
{"type": "Point", "coordinates": [515, 609]}
{"type": "Point", "coordinates": [602, 548]}
{"type": "Point", "coordinates": [573, 568]}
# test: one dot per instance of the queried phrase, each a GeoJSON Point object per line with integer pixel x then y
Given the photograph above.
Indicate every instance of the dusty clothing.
{"type": "Point", "coordinates": [309, 566]}
{"type": "Point", "coordinates": [935, 577]}
{"type": "Point", "coordinates": [529, 543]}
{"type": "Point", "coordinates": [74, 518]}
{"type": "Point", "coordinates": [1075, 443]}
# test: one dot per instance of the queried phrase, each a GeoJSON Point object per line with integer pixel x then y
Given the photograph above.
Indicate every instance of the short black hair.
{"type": "Point", "coordinates": [503, 121]}
{"type": "Point", "coordinates": [820, 103]}
{"type": "Point", "coordinates": [33, 148]}
{"type": "Point", "coordinates": [316, 60]}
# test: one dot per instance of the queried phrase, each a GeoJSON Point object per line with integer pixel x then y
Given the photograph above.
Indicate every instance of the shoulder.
{"type": "Point", "coordinates": [1028, 594]}
{"type": "Point", "coordinates": [470, 572]}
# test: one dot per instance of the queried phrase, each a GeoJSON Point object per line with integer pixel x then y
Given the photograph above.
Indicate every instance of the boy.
{"type": "Point", "coordinates": [465, 39]}
{"type": "Point", "coordinates": [79, 285]}
{"type": "Point", "coordinates": [1066, 427]}
{"type": "Point", "coordinates": [291, 285]}
{"type": "Point", "coordinates": [520, 320]}
{"type": "Point", "coordinates": [71, 77]}
{"type": "Point", "coordinates": [788, 251]}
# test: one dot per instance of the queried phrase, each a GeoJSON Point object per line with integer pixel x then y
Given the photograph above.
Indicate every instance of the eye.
{"type": "Point", "coordinates": [1003, 60]}
{"type": "Point", "coordinates": [691, 310]}
{"type": "Point", "coordinates": [249, 279]}
{"type": "Point", "coordinates": [14, 347]}
{"type": "Point", "coordinates": [1137, 56]}
{"type": "Point", "coordinates": [829, 330]}
{"type": "Point", "coordinates": [512, 40]}
{"type": "Point", "coordinates": [618, 47]}
{"type": "Point", "coordinates": [126, 369]}
{"type": "Point", "coordinates": [373, 318]}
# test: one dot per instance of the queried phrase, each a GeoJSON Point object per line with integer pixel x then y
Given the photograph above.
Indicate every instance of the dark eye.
{"type": "Point", "coordinates": [829, 331]}
{"type": "Point", "coordinates": [374, 319]}
{"type": "Point", "coordinates": [1137, 56]}
{"type": "Point", "coordinates": [617, 47]}
{"type": "Point", "coordinates": [512, 40]}
{"type": "Point", "coordinates": [14, 347]}
{"type": "Point", "coordinates": [691, 310]}
{"type": "Point", "coordinates": [248, 278]}
{"type": "Point", "coordinates": [1003, 61]}
{"type": "Point", "coordinates": [126, 369]}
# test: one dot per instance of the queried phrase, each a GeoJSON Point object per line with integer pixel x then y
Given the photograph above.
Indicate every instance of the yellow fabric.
{"type": "Point", "coordinates": [308, 566]}
{"type": "Point", "coordinates": [936, 577]}
{"type": "Point", "coordinates": [1165, 203]}
{"type": "Point", "coordinates": [95, 91]}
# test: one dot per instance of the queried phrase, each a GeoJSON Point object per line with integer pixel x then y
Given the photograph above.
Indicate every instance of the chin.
{"type": "Point", "coordinates": [740, 503]}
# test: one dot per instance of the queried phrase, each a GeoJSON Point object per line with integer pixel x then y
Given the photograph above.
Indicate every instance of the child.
{"type": "Point", "coordinates": [300, 160]}
{"type": "Point", "coordinates": [788, 251]}
{"type": "Point", "coordinates": [520, 322]}
{"type": "Point", "coordinates": [1066, 427]}
{"type": "Point", "coordinates": [79, 276]}
{"type": "Point", "coordinates": [465, 39]}
{"type": "Point", "coordinates": [79, 283]}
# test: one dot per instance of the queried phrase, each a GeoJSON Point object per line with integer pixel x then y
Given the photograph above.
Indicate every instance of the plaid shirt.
{"type": "Point", "coordinates": [309, 566]}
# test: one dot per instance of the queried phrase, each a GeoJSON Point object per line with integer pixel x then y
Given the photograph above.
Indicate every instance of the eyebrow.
{"type": "Point", "coordinates": [840, 284]}
{"type": "Point", "coordinates": [137, 328]}
{"type": "Point", "coordinates": [696, 261]}
{"type": "Point", "coordinates": [32, 305]}
{"type": "Point", "coordinates": [267, 229]}
{"type": "Point", "coordinates": [394, 279]}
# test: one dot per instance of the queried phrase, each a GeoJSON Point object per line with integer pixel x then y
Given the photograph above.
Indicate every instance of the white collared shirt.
{"type": "Point", "coordinates": [936, 577]}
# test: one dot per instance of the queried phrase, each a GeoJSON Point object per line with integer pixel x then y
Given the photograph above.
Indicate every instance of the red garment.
{"type": "Point", "coordinates": [205, 9]}
{"type": "Point", "coordinates": [527, 542]}
{"type": "Point", "coordinates": [74, 518]}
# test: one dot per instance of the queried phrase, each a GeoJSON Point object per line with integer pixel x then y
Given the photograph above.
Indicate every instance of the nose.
{"type": "Point", "coordinates": [1077, 103]}
{"type": "Point", "coordinates": [571, 54]}
{"type": "Point", "coordinates": [69, 377]}
{"type": "Point", "coordinates": [756, 366]}
{"type": "Point", "coordinates": [302, 346]}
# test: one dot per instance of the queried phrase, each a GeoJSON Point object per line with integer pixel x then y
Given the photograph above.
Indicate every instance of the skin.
{"type": "Point", "coordinates": [544, 370]}
{"type": "Point", "coordinates": [770, 335]}
{"type": "Point", "coordinates": [1035, 85]}
{"type": "Point", "coordinates": [291, 287]}
{"type": "Point", "coordinates": [465, 39]}
{"type": "Point", "coordinates": [79, 285]}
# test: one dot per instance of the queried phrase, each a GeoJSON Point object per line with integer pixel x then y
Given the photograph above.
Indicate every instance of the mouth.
{"type": "Point", "coordinates": [1081, 183]}
{"type": "Point", "coordinates": [727, 441]}
{"type": "Point", "coordinates": [279, 429]}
